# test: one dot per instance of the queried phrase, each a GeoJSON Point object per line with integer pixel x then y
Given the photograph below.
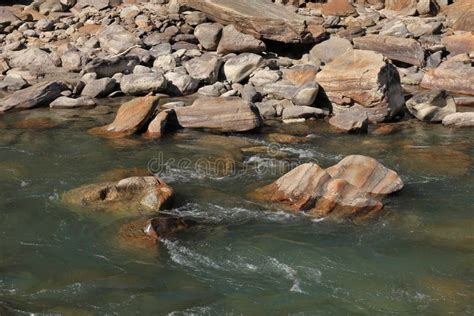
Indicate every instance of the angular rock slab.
{"type": "Point", "coordinates": [261, 18]}
{"type": "Point", "coordinates": [431, 106]}
{"type": "Point", "coordinates": [461, 15]}
{"type": "Point", "coordinates": [365, 78]}
{"type": "Point", "coordinates": [131, 195]}
{"type": "Point", "coordinates": [351, 121]}
{"type": "Point", "coordinates": [131, 117]}
{"type": "Point", "coordinates": [221, 114]}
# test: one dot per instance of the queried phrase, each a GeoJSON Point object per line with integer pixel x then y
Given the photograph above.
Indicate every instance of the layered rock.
{"type": "Point", "coordinates": [431, 106]}
{"type": "Point", "coordinates": [461, 15]}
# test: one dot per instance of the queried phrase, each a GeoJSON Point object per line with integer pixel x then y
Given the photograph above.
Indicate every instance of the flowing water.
{"type": "Point", "coordinates": [243, 258]}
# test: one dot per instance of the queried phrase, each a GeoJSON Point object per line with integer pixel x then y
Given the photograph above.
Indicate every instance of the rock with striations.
{"type": "Point", "coordinates": [208, 35]}
{"type": "Point", "coordinates": [116, 39]}
{"type": "Point", "coordinates": [460, 14]}
{"type": "Point", "coordinates": [221, 114]}
{"type": "Point", "coordinates": [364, 78]}
{"type": "Point", "coordinates": [351, 121]}
{"type": "Point", "coordinates": [406, 50]}
{"type": "Point", "coordinates": [142, 84]}
{"type": "Point", "coordinates": [262, 19]}
{"type": "Point", "coordinates": [41, 94]}
{"type": "Point", "coordinates": [240, 67]}
{"type": "Point", "coordinates": [233, 41]}
{"type": "Point", "coordinates": [455, 75]}
{"type": "Point", "coordinates": [462, 119]}
{"type": "Point", "coordinates": [432, 106]}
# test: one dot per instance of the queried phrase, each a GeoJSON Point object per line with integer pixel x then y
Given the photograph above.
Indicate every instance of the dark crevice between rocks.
{"type": "Point", "coordinates": [294, 51]}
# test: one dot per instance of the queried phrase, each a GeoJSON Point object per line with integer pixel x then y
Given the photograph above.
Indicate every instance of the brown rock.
{"type": "Point", "coordinates": [233, 41]}
{"type": "Point", "coordinates": [36, 123]}
{"type": "Point", "coordinates": [122, 173]}
{"type": "Point", "coordinates": [459, 43]}
{"type": "Point", "coordinates": [401, 7]}
{"type": "Point", "coordinates": [300, 75]}
{"type": "Point", "coordinates": [338, 8]}
{"type": "Point", "coordinates": [351, 121]}
{"type": "Point", "coordinates": [406, 50]}
{"type": "Point", "coordinates": [461, 15]}
{"type": "Point", "coordinates": [385, 129]}
{"type": "Point", "coordinates": [221, 114]}
{"type": "Point", "coordinates": [157, 125]}
{"type": "Point", "coordinates": [285, 138]}
{"type": "Point", "coordinates": [6, 16]}
{"type": "Point", "coordinates": [131, 117]}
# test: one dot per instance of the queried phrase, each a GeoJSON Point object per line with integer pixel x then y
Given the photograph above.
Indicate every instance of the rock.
{"type": "Point", "coordinates": [6, 16]}
{"type": "Point", "coordinates": [296, 112]}
{"type": "Point", "coordinates": [221, 114]}
{"type": "Point", "coordinates": [130, 195]}
{"type": "Point", "coordinates": [263, 77]}
{"type": "Point", "coordinates": [309, 189]}
{"type": "Point", "coordinates": [267, 110]}
{"type": "Point", "coordinates": [401, 7]}
{"type": "Point", "coordinates": [99, 88]}
{"type": "Point", "coordinates": [239, 68]}
{"type": "Point", "coordinates": [98, 4]}
{"type": "Point", "coordinates": [142, 84]}
{"type": "Point", "coordinates": [300, 74]}
{"type": "Point", "coordinates": [131, 117]}
{"type": "Point", "coordinates": [36, 123]}
{"type": "Point", "coordinates": [73, 60]}
{"type": "Point", "coordinates": [165, 63]}
{"type": "Point", "coordinates": [280, 90]}
{"type": "Point", "coordinates": [261, 19]}
{"type": "Point", "coordinates": [250, 94]}
{"type": "Point", "coordinates": [41, 94]}
{"type": "Point", "coordinates": [459, 43]}
{"type": "Point", "coordinates": [213, 90]}
{"type": "Point", "coordinates": [431, 106]}
{"type": "Point", "coordinates": [116, 39]}
{"type": "Point", "coordinates": [181, 84]}
{"type": "Point", "coordinates": [461, 15]}
{"type": "Point", "coordinates": [204, 68]}
{"type": "Point", "coordinates": [70, 103]}
{"type": "Point", "coordinates": [395, 27]}
{"type": "Point", "coordinates": [424, 7]}
{"type": "Point", "coordinates": [455, 75]}
{"type": "Point", "coordinates": [328, 50]}
{"type": "Point", "coordinates": [406, 50]}
{"type": "Point", "coordinates": [364, 78]}
{"type": "Point", "coordinates": [108, 67]}
{"type": "Point", "coordinates": [306, 95]}
{"type": "Point", "coordinates": [158, 125]}
{"type": "Point", "coordinates": [463, 119]}
{"type": "Point", "coordinates": [351, 121]}
{"type": "Point", "coordinates": [338, 8]}
{"type": "Point", "coordinates": [233, 41]}
{"type": "Point", "coordinates": [208, 35]}
{"type": "Point", "coordinates": [32, 59]}
{"type": "Point", "coordinates": [367, 174]}
{"type": "Point", "coordinates": [13, 82]}
{"type": "Point", "coordinates": [284, 138]}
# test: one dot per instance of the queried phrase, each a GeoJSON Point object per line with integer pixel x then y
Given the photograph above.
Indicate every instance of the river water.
{"type": "Point", "coordinates": [243, 258]}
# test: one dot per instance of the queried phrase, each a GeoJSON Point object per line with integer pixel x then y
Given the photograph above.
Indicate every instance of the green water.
{"type": "Point", "coordinates": [417, 258]}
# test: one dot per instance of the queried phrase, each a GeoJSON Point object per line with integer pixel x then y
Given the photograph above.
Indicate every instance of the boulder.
{"type": "Point", "coordinates": [351, 121]}
{"type": "Point", "coordinates": [208, 35]}
{"type": "Point", "coordinates": [144, 83]}
{"type": "Point", "coordinates": [401, 7]}
{"type": "Point", "coordinates": [233, 41]}
{"type": "Point", "coordinates": [157, 126]}
{"type": "Point", "coordinates": [365, 78]}
{"type": "Point", "coordinates": [13, 82]}
{"type": "Point", "coordinates": [70, 103]}
{"type": "Point", "coordinates": [221, 114]}
{"type": "Point", "coordinates": [73, 60]}
{"type": "Point", "coordinates": [130, 195]}
{"type": "Point", "coordinates": [116, 39]}
{"type": "Point", "coordinates": [262, 19]}
{"type": "Point", "coordinates": [6, 16]}
{"type": "Point", "coordinates": [165, 63]}
{"type": "Point", "coordinates": [463, 119]}
{"type": "Point", "coordinates": [459, 43]}
{"type": "Point", "coordinates": [41, 94]}
{"type": "Point", "coordinates": [432, 106]}
{"type": "Point", "coordinates": [328, 50]}
{"type": "Point", "coordinates": [460, 14]}
{"type": "Point", "coordinates": [298, 112]}
{"type": "Point", "coordinates": [455, 75]}
{"type": "Point", "coordinates": [306, 94]}
{"type": "Point", "coordinates": [240, 67]}
{"type": "Point", "coordinates": [338, 8]}
{"type": "Point", "coordinates": [406, 50]}
{"type": "Point", "coordinates": [108, 67]}
{"type": "Point", "coordinates": [204, 68]}
{"type": "Point", "coordinates": [32, 59]}
{"type": "Point", "coordinates": [131, 117]}
{"type": "Point", "coordinates": [263, 77]}
{"type": "Point", "coordinates": [181, 84]}
{"type": "Point", "coordinates": [98, 4]}
{"type": "Point", "coordinates": [99, 87]}
{"type": "Point", "coordinates": [300, 74]}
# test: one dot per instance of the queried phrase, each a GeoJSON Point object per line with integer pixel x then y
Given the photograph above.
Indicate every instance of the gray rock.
{"type": "Point", "coordinates": [233, 41]}
{"type": "Point", "coordinates": [462, 119]}
{"type": "Point", "coordinates": [351, 121]}
{"type": "Point", "coordinates": [108, 67]}
{"type": "Point", "coordinates": [328, 50]}
{"type": "Point", "coordinates": [240, 67]}
{"type": "Point", "coordinates": [264, 77]}
{"type": "Point", "coordinates": [99, 87]}
{"type": "Point", "coordinates": [205, 68]}
{"type": "Point", "coordinates": [306, 95]}
{"type": "Point", "coordinates": [165, 62]}
{"type": "Point", "coordinates": [13, 82]}
{"type": "Point", "coordinates": [71, 103]}
{"type": "Point", "coordinates": [44, 25]}
{"type": "Point", "coordinates": [161, 49]}
{"type": "Point", "coordinates": [208, 35]}
{"type": "Point", "coordinates": [98, 4]}
{"type": "Point", "coordinates": [142, 84]}
{"type": "Point", "coordinates": [250, 94]}
{"type": "Point", "coordinates": [213, 90]}
{"type": "Point", "coordinates": [395, 27]}
{"type": "Point", "coordinates": [266, 109]}
{"type": "Point", "coordinates": [116, 39]}
{"type": "Point", "coordinates": [431, 106]}
{"type": "Point", "coordinates": [295, 112]}
{"type": "Point", "coordinates": [73, 60]}
{"type": "Point", "coordinates": [280, 90]}
{"type": "Point", "coordinates": [33, 59]}
{"type": "Point", "coordinates": [181, 84]}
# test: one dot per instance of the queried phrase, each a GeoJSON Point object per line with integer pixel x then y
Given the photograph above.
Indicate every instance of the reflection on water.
{"type": "Point", "coordinates": [243, 258]}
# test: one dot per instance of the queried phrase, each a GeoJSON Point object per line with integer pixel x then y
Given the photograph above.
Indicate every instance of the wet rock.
{"type": "Point", "coordinates": [233, 41]}
{"type": "Point", "coordinates": [459, 43]}
{"type": "Point", "coordinates": [131, 117]}
{"type": "Point", "coordinates": [204, 68]}
{"type": "Point", "coordinates": [364, 78]}
{"type": "Point", "coordinates": [122, 173]}
{"type": "Point", "coordinates": [239, 68]}
{"type": "Point", "coordinates": [131, 195]}
{"type": "Point", "coordinates": [107, 67]}
{"type": "Point", "coordinates": [454, 75]}
{"type": "Point", "coordinates": [464, 119]}
{"type": "Point", "coordinates": [385, 129]}
{"type": "Point", "coordinates": [181, 84]}
{"type": "Point", "coordinates": [296, 112]}
{"type": "Point", "coordinates": [142, 84]}
{"type": "Point", "coordinates": [99, 87]}
{"type": "Point", "coordinates": [116, 39]}
{"type": "Point", "coordinates": [208, 35]}
{"type": "Point", "coordinates": [431, 106]}
{"type": "Point", "coordinates": [158, 125]}
{"type": "Point", "coordinates": [71, 103]}
{"type": "Point", "coordinates": [406, 50]}
{"type": "Point", "coordinates": [36, 123]}
{"type": "Point", "coordinates": [41, 94]}
{"type": "Point", "coordinates": [306, 94]}
{"type": "Point", "coordinates": [351, 121]}
{"type": "Point", "coordinates": [285, 138]}
{"type": "Point", "coordinates": [6, 16]}
{"type": "Point", "coordinates": [328, 50]}
{"type": "Point", "coordinates": [221, 114]}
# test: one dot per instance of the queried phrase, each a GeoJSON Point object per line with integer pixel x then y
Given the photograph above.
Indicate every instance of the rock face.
{"type": "Point", "coordinates": [465, 119]}
{"type": "Point", "coordinates": [431, 106]}
{"type": "Point", "coordinates": [406, 50]}
{"type": "Point", "coordinates": [131, 117]}
{"type": "Point", "coordinates": [364, 78]}
{"type": "Point", "coordinates": [233, 41]}
{"type": "Point", "coordinates": [131, 195]}
{"type": "Point", "coordinates": [261, 18]}
{"type": "Point", "coordinates": [41, 94]}
{"type": "Point", "coordinates": [454, 75]}
{"type": "Point", "coordinates": [222, 114]}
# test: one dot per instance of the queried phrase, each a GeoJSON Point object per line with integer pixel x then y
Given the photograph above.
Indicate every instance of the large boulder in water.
{"type": "Point", "coordinates": [432, 106]}
{"type": "Point", "coordinates": [132, 195]}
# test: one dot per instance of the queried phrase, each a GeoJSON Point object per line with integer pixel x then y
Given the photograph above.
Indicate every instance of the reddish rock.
{"type": "Point", "coordinates": [157, 125]}
{"type": "Point", "coordinates": [459, 43]}
{"type": "Point", "coordinates": [300, 75]}
{"type": "Point", "coordinates": [461, 15]}
{"type": "Point", "coordinates": [351, 121]}
{"type": "Point", "coordinates": [338, 8]}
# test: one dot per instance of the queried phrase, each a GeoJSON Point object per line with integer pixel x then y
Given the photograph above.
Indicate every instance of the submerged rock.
{"type": "Point", "coordinates": [464, 119]}
{"type": "Point", "coordinates": [431, 106]}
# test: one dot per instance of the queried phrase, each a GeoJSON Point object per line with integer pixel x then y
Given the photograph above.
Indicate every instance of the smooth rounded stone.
{"type": "Point", "coordinates": [297, 112]}
{"type": "Point", "coordinates": [71, 103]}
{"type": "Point", "coordinates": [337, 8]}
{"type": "Point", "coordinates": [221, 114]}
{"type": "Point", "coordinates": [73, 60]}
{"type": "Point", "coordinates": [213, 90]}
{"type": "Point", "coordinates": [233, 41]}
{"type": "Point", "coordinates": [161, 49]}
{"type": "Point", "coordinates": [250, 94]}
{"type": "Point", "coordinates": [194, 18]}
{"type": "Point", "coordinates": [32, 59]}
{"type": "Point", "coordinates": [266, 109]}
{"type": "Point", "coordinates": [108, 67]}
{"type": "Point", "coordinates": [99, 87]}
{"type": "Point", "coordinates": [131, 117]}
{"type": "Point", "coordinates": [141, 84]}
{"type": "Point", "coordinates": [329, 50]}
{"type": "Point", "coordinates": [351, 121]}
{"type": "Point", "coordinates": [142, 54]}
{"type": "Point", "coordinates": [462, 119]}
{"type": "Point", "coordinates": [165, 62]}
{"type": "Point", "coordinates": [310, 189]}
{"type": "Point", "coordinates": [129, 12]}
{"type": "Point", "coordinates": [431, 106]}
{"type": "Point", "coordinates": [116, 39]}
{"type": "Point", "coordinates": [41, 94]}
{"type": "Point", "coordinates": [139, 69]}
{"type": "Point", "coordinates": [459, 43]}
{"type": "Point", "coordinates": [208, 35]}
{"type": "Point", "coordinates": [300, 74]}
{"type": "Point", "coordinates": [204, 68]}
{"type": "Point", "coordinates": [367, 174]}
{"type": "Point", "coordinates": [424, 7]}
{"type": "Point", "coordinates": [157, 126]}
{"type": "Point", "coordinates": [263, 77]}
{"type": "Point", "coordinates": [131, 195]}
{"type": "Point", "coordinates": [44, 25]}
{"type": "Point", "coordinates": [13, 82]}
{"type": "Point", "coordinates": [240, 67]}
{"type": "Point", "coordinates": [306, 95]}
{"type": "Point", "coordinates": [181, 84]}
